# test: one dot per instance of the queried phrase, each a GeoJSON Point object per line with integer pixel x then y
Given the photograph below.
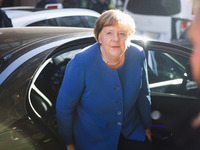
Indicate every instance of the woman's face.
{"type": "Point", "coordinates": [113, 41]}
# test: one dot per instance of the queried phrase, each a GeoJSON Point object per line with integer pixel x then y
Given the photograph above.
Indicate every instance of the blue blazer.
{"type": "Point", "coordinates": [95, 103]}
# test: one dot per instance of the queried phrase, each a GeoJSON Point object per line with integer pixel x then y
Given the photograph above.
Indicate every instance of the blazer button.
{"type": "Point", "coordinates": [119, 123]}
{"type": "Point", "coordinates": [119, 113]}
{"type": "Point", "coordinates": [119, 101]}
{"type": "Point", "coordinates": [117, 88]}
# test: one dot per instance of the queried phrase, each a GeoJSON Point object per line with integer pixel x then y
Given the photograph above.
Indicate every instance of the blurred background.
{"type": "Point", "coordinates": [82, 3]}
{"type": "Point", "coordinates": [162, 20]}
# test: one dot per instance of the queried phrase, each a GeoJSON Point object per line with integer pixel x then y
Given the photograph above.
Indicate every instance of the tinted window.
{"type": "Point", "coordinates": [170, 73]}
{"type": "Point", "coordinates": [39, 23]}
{"type": "Point", "coordinates": [46, 83]}
{"type": "Point", "coordinates": [154, 7]}
{"type": "Point", "coordinates": [48, 22]}
{"type": "Point", "coordinates": [90, 20]}
{"type": "Point", "coordinates": [45, 87]}
{"type": "Point", "coordinates": [71, 21]}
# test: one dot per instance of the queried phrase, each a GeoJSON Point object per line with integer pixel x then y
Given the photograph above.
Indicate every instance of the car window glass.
{"type": "Point", "coordinates": [38, 23]}
{"type": "Point", "coordinates": [46, 84]}
{"type": "Point", "coordinates": [154, 7]}
{"type": "Point", "coordinates": [52, 22]}
{"type": "Point", "coordinates": [47, 22]}
{"type": "Point", "coordinates": [90, 20]}
{"type": "Point", "coordinates": [71, 21]}
{"type": "Point", "coordinates": [170, 73]}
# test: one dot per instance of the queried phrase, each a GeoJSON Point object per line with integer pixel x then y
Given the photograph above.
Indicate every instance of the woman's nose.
{"type": "Point", "coordinates": [116, 37]}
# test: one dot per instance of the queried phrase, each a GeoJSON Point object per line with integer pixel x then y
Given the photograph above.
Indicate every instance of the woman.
{"type": "Point", "coordinates": [104, 101]}
{"type": "Point", "coordinates": [100, 6]}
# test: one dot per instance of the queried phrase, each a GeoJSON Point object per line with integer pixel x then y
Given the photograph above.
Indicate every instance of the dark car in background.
{"type": "Point", "coordinates": [32, 65]}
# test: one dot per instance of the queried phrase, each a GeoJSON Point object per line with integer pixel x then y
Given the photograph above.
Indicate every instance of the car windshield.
{"type": "Point", "coordinates": [150, 7]}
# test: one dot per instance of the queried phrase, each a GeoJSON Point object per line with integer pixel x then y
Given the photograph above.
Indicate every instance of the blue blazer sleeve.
{"type": "Point", "coordinates": [144, 100]}
{"type": "Point", "coordinates": [69, 95]}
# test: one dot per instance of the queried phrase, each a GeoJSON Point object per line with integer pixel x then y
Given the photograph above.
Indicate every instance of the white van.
{"type": "Point", "coordinates": [162, 20]}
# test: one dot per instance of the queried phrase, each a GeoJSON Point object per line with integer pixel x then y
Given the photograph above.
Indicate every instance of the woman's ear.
{"type": "Point", "coordinates": [99, 38]}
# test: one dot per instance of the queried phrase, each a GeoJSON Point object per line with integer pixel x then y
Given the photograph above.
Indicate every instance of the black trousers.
{"type": "Point", "coordinates": [126, 144]}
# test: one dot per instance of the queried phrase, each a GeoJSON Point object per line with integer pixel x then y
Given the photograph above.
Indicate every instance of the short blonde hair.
{"type": "Point", "coordinates": [114, 17]}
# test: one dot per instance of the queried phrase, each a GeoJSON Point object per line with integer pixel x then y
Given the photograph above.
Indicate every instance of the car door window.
{"type": "Point", "coordinates": [90, 20]}
{"type": "Point", "coordinates": [71, 21]}
{"type": "Point", "coordinates": [38, 23]}
{"type": "Point", "coordinates": [170, 73]}
{"type": "Point", "coordinates": [46, 22]}
{"type": "Point", "coordinates": [46, 83]}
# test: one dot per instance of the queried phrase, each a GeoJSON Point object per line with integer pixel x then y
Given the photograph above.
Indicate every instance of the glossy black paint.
{"type": "Point", "coordinates": [15, 117]}
{"type": "Point", "coordinates": [184, 40]}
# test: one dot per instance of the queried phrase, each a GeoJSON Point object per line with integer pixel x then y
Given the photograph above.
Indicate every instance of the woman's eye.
{"type": "Point", "coordinates": [109, 33]}
{"type": "Point", "coordinates": [122, 34]}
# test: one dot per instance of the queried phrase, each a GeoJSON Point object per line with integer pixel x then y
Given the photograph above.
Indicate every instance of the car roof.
{"type": "Point", "coordinates": [18, 42]}
{"type": "Point", "coordinates": [18, 8]}
{"type": "Point", "coordinates": [17, 13]}
{"type": "Point", "coordinates": [39, 15]}
{"type": "Point", "coordinates": [13, 38]}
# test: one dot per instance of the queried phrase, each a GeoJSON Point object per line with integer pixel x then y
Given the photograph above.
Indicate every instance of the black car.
{"type": "Point", "coordinates": [32, 64]}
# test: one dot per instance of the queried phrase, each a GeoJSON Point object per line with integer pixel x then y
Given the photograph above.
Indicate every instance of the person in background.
{"type": "Point", "coordinates": [7, 3]}
{"type": "Point", "coordinates": [71, 3]}
{"type": "Point", "coordinates": [42, 3]}
{"type": "Point", "coordinates": [100, 6]}
{"type": "Point", "coordinates": [194, 33]}
{"type": "Point", "coordinates": [5, 21]}
{"type": "Point", "coordinates": [188, 130]}
{"type": "Point", "coordinates": [104, 100]}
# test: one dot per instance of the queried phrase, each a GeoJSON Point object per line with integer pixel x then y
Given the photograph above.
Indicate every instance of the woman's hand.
{"type": "Point", "coordinates": [148, 134]}
{"type": "Point", "coordinates": [70, 147]}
